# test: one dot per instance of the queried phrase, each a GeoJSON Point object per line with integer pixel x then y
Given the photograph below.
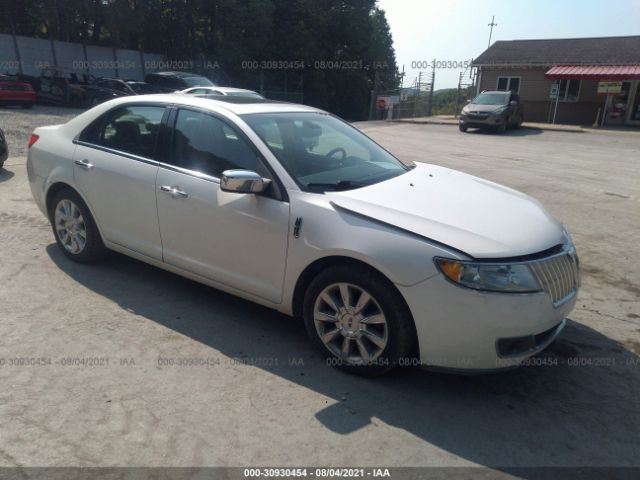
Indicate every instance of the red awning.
{"type": "Point", "coordinates": [594, 72]}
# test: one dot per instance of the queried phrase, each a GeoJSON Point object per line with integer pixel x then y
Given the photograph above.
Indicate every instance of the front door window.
{"type": "Point", "coordinates": [203, 143]}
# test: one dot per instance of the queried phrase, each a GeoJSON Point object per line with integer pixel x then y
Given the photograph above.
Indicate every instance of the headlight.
{"type": "Point", "coordinates": [570, 247]}
{"type": "Point", "coordinates": [567, 237]}
{"type": "Point", "coordinates": [491, 277]}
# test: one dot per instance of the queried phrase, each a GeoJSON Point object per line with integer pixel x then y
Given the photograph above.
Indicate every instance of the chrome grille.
{"type": "Point", "coordinates": [558, 276]}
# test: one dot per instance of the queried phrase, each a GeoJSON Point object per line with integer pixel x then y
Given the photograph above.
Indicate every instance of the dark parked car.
{"type": "Point", "coordinates": [172, 81]}
{"type": "Point", "coordinates": [16, 93]}
{"type": "Point", "coordinates": [72, 89]}
{"type": "Point", "coordinates": [4, 149]}
{"type": "Point", "coordinates": [126, 87]}
{"type": "Point", "coordinates": [495, 110]}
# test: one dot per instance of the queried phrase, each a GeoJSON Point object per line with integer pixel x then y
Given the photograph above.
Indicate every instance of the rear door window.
{"type": "Point", "coordinates": [132, 129]}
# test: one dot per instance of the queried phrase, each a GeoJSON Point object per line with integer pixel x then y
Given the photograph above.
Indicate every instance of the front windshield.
{"type": "Point", "coordinates": [322, 152]}
{"type": "Point", "coordinates": [491, 99]}
{"type": "Point", "coordinates": [197, 82]}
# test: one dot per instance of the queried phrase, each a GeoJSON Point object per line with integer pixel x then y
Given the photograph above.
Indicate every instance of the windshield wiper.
{"type": "Point", "coordinates": [341, 185]}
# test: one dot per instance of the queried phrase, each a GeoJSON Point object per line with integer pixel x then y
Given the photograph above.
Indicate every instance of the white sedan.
{"type": "Point", "coordinates": [225, 91]}
{"type": "Point", "coordinates": [292, 208]}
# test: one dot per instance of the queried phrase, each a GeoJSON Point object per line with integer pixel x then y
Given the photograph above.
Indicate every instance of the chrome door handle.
{"type": "Point", "coordinates": [173, 191]}
{"type": "Point", "coordinates": [84, 164]}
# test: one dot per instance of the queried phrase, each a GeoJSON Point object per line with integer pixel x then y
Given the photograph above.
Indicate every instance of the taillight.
{"type": "Point", "coordinates": [32, 139]}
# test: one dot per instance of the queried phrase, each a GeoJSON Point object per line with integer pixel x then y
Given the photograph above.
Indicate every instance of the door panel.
{"type": "Point", "coordinates": [239, 240]}
{"type": "Point", "coordinates": [115, 171]}
{"type": "Point", "coordinates": [121, 194]}
{"type": "Point", "coordinates": [617, 110]}
{"type": "Point", "coordinates": [634, 111]}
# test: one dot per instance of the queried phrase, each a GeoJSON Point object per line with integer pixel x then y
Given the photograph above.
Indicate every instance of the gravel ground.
{"type": "Point", "coordinates": [258, 394]}
{"type": "Point", "coordinates": [18, 123]}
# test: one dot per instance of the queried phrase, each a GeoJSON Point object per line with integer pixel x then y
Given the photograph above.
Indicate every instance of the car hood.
{"type": "Point", "coordinates": [472, 215]}
{"type": "Point", "coordinates": [474, 107]}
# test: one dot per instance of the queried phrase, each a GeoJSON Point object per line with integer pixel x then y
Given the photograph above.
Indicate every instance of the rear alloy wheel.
{"type": "Point", "coordinates": [358, 320]}
{"type": "Point", "coordinates": [70, 227]}
{"type": "Point", "coordinates": [74, 228]}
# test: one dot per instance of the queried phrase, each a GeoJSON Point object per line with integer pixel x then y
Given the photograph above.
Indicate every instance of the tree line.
{"type": "Point", "coordinates": [334, 51]}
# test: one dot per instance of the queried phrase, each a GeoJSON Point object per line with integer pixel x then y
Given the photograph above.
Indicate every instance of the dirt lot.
{"type": "Point", "coordinates": [86, 351]}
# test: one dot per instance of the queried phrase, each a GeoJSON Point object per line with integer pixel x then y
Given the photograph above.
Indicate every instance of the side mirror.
{"type": "Point", "coordinates": [513, 103]}
{"type": "Point", "coordinates": [243, 181]}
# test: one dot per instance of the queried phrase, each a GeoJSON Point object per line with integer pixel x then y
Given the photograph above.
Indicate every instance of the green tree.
{"type": "Point", "coordinates": [346, 46]}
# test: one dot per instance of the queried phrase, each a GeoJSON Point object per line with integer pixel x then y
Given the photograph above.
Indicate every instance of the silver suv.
{"type": "Point", "coordinates": [495, 110]}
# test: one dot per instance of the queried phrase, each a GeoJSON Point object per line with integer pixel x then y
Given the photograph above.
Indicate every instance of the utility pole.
{"type": "Point", "coordinates": [417, 97]}
{"type": "Point", "coordinates": [492, 24]}
{"type": "Point", "coordinates": [433, 82]}
{"type": "Point", "coordinates": [458, 94]}
{"type": "Point", "coordinates": [400, 93]}
{"type": "Point", "coordinates": [373, 115]}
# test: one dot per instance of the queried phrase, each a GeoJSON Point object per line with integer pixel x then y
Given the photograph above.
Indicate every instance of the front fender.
{"type": "Point", "coordinates": [325, 231]}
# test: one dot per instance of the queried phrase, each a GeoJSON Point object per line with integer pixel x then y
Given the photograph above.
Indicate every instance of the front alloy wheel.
{"type": "Point", "coordinates": [350, 323]}
{"type": "Point", "coordinates": [358, 320]}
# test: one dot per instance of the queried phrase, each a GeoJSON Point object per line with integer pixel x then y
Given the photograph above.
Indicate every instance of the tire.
{"type": "Point", "coordinates": [398, 330]}
{"type": "Point", "coordinates": [462, 128]}
{"type": "Point", "coordinates": [502, 128]}
{"type": "Point", "coordinates": [519, 122]}
{"type": "Point", "coordinates": [71, 245]}
{"type": "Point", "coordinates": [1, 164]}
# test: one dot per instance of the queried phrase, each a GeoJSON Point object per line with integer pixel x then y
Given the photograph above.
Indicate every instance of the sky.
{"type": "Point", "coordinates": [457, 30]}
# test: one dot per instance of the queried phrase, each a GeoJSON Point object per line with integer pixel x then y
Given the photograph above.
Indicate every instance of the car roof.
{"type": "Point", "coordinates": [225, 89]}
{"type": "Point", "coordinates": [176, 74]}
{"type": "Point", "coordinates": [236, 105]}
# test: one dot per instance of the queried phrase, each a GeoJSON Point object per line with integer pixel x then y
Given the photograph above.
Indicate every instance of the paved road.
{"type": "Point", "coordinates": [259, 395]}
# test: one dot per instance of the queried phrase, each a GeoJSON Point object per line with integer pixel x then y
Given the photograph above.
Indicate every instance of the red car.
{"type": "Point", "coordinates": [17, 93]}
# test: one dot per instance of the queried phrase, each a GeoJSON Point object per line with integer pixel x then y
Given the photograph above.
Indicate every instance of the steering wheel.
{"type": "Point", "coordinates": [336, 150]}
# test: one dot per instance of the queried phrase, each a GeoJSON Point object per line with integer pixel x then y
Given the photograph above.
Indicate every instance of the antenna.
{"type": "Point", "coordinates": [492, 24]}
